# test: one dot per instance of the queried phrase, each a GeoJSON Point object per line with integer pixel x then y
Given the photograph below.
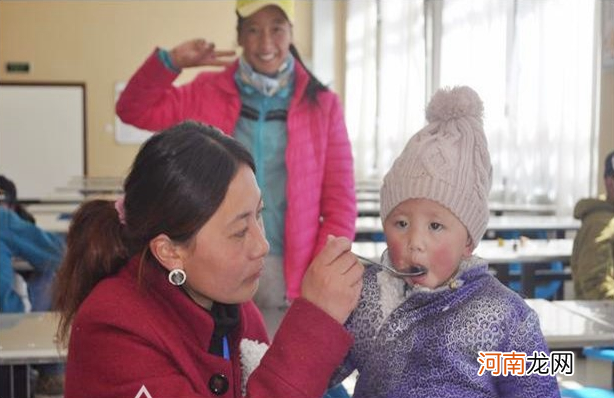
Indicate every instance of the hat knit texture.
{"type": "Point", "coordinates": [447, 162]}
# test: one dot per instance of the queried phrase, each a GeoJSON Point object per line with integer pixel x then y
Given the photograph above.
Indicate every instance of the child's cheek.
{"type": "Point", "coordinates": [445, 258]}
{"type": "Point", "coordinates": [395, 250]}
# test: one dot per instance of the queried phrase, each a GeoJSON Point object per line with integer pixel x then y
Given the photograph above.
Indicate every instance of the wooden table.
{"type": "Point", "coordinates": [507, 251]}
{"type": "Point", "coordinates": [531, 254]}
{"type": "Point", "coordinates": [556, 226]}
{"type": "Point", "coordinates": [563, 328]}
{"type": "Point", "coordinates": [601, 311]}
{"type": "Point", "coordinates": [53, 222]}
{"type": "Point", "coordinates": [368, 207]}
{"type": "Point", "coordinates": [499, 208]}
{"type": "Point", "coordinates": [598, 310]}
{"type": "Point", "coordinates": [53, 217]}
{"type": "Point", "coordinates": [52, 208]}
{"type": "Point", "coordinates": [94, 186]}
{"type": "Point", "coordinates": [26, 339]}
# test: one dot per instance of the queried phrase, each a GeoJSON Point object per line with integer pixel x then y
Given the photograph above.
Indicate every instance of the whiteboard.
{"type": "Point", "coordinates": [42, 136]}
{"type": "Point", "coordinates": [126, 133]}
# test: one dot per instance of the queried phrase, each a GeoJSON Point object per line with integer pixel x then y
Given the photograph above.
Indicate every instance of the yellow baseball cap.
{"type": "Point", "coordinates": [245, 8]}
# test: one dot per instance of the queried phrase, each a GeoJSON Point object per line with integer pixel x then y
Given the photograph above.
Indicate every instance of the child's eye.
{"type": "Point", "coordinates": [435, 226]}
{"type": "Point", "coordinates": [402, 224]}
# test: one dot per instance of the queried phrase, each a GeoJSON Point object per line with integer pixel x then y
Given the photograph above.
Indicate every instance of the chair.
{"type": "Point", "coordinates": [549, 290]}
{"type": "Point", "coordinates": [587, 392]}
{"type": "Point", "coordinates": [602, 354]}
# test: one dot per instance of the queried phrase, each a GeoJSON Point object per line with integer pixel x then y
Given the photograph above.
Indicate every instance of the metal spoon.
{"type": "Point", "coordinates": [393, 271]}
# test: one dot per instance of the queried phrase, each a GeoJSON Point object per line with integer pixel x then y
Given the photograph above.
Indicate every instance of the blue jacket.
{"type": "Point", "coordinates": [20, 238]}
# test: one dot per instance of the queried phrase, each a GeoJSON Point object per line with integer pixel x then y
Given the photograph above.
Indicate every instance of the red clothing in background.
{"type": "Point", "coordinates": [320, 185]}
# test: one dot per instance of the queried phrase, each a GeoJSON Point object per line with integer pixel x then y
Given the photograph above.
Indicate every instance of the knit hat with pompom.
{"type": "Point", "coordinates": [447, 162]}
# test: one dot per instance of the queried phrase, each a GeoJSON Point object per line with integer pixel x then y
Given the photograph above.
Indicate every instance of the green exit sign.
{"type": "Point", "coordinates": [17, 67]}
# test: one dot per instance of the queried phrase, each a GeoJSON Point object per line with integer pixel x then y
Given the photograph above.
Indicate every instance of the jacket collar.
{"type": "Point", "coordinates": [152, 279]}
{"type": "Point", "coordinates": [301, 78]}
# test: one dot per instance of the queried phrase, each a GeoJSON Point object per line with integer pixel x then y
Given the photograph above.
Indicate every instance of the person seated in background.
{"type": "Point", "coordinates": [592, 258]}
{"type": "Point", "coordinates": [430, 333]}
{"type": "Point", "coordinates": [9, 199]}
{"type": "Point", "coordinates": [21, 239]}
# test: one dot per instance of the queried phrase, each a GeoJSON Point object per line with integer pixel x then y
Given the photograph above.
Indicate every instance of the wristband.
{"type": "Point", "coordinates": [165, 57]}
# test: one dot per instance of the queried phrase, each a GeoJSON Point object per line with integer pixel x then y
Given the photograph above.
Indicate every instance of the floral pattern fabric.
{"type": "Point", "coordinates": [411, 341]}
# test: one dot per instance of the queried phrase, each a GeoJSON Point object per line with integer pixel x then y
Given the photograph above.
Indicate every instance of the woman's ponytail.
{"type": "Point", "coordinates": [94, 249]}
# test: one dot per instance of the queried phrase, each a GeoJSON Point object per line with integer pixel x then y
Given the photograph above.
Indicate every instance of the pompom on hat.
{"type": "Point", "coordinates": [245, 8]}
{"type": "Point", "coordinates": [447, 162]}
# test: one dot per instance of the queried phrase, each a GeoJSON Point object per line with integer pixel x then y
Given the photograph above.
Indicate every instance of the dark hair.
{"type": "Point", "coordinates": [8, 191]}
{"type": "Point", "coordinates": [8, 196]}
{"type": "Point", "coordinates": [177, 182]}
{"type": "Point", "coordinates": [608, 170]}
{"type": "Point", "coordinates": [313, 85]}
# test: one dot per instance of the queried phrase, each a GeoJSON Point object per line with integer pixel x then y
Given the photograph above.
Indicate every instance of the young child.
{"type": "Point", "coordinates": [422, 336]}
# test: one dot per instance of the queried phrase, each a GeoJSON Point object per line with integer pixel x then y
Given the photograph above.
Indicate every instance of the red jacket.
{"type": "Point", "coordinates": [320, 186]}
{"type": "Point", "coordinates": [135, 329]}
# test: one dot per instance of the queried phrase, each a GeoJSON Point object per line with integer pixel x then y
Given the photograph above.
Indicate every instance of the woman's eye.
{"type": "Point", "coordinates": [241, 234]}
{"type": "Point", "coordinates": [435, 226]}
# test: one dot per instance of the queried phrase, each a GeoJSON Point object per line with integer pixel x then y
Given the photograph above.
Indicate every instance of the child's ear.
{"type": "Point", "coordinates": [469, 247]}
{"type": "Point", "coordinates": [166, 252]}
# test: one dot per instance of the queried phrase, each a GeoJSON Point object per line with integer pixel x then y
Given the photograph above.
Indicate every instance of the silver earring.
{"type": "Point", "coordinates": [177, 277]}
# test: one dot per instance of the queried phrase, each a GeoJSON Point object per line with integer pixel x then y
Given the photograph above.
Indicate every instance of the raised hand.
{"type": "Point", "coordinates": [333, 280]}
{"type": "Point", "coordinates": [199, 52]}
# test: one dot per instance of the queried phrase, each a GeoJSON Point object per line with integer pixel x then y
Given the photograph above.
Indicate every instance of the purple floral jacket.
{"type": "Point", "coordinates": [411, 341]}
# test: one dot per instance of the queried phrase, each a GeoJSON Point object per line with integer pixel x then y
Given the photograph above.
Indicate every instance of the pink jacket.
{"type": "Point", "coordinates": [135, 329]}
{"type": "Point", "coordinates": [320, 187]}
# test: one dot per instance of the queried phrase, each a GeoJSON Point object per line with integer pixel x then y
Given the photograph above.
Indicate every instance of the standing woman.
{"type": "Point", "coordinates": [291, 123]}
{"type": "Point", "coordinates": [156, 289]}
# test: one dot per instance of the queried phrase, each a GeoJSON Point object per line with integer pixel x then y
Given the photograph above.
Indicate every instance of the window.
{"type": "Point", "coordinates": [531, 61]}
